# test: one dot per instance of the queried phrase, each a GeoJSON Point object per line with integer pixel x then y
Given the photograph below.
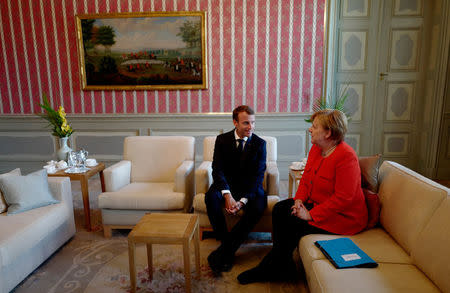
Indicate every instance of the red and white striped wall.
{"type": "Point", "coordinates": [264, 53]}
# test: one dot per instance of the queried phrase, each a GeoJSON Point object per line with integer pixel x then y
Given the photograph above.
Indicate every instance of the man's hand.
{"type": "Point", "coordinates": [230, 204]}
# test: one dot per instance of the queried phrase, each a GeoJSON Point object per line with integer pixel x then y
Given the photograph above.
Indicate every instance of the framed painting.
{"type": "Point", "coordinates": [142, 51]}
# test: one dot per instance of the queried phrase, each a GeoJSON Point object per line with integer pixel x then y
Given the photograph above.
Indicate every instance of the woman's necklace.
{"type": "Point", "coordinates": [325, 154]}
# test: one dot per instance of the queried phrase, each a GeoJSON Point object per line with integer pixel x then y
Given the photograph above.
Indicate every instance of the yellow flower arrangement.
{"type": "Point", "coordinates": [57, 119]}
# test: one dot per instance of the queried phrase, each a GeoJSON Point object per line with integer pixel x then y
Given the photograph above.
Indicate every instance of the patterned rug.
{"type": "Point", "coordinates": [90, 263]}
{"type": "Point", "coordinates": [86, 264]}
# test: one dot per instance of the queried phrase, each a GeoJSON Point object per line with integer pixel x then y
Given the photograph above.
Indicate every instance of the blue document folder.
{"type": "Point", "coordinates": [344, 253]}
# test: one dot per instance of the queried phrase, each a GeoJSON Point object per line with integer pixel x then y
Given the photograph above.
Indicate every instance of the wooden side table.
{"type": "Point", "coordinates": [84, 178]}
{"type": "Point", "coordinates": [168, 228]}
{"type": "Point", "coordinates": [294, 177]}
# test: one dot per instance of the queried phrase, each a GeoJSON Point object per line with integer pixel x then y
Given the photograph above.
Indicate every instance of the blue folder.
{"type": "Point", "coordinates": [344, 253]}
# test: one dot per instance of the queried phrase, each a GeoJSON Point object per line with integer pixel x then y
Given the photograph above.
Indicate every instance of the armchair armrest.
{"type": "Point", "coordinates": [117, 175]}
{"type": "Point", "coordinates": [273, 178]}
{"type": "Point", "coordinates": [203, 177]}
{"type": "Point", "coordinates": [184, 182]}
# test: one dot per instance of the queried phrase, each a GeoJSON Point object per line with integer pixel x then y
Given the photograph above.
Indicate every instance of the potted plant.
{"type": "Point", "coordinates": [58, 123]}
{"type": "Point", "coordinates": [331, 103]}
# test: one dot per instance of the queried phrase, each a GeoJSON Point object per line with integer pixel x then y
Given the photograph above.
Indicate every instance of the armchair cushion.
{"type": "Point", "coordinates": [156, 158]}
{"type": "Point", "coordinates": [143, 196]}
{"type": "Point", "coordinates": [3, 204]}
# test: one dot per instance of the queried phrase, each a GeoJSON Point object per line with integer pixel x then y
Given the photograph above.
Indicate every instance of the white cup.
{"type": "Point", "coordinates": [61, 164]}
{"type": "Point", "coordinates": [91, 162]}
{"type": "Point", "coordinates": [50, 169]}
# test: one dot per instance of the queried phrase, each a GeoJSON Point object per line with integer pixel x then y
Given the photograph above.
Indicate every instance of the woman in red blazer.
{"type": "Point", "coordinates": [329, 199]}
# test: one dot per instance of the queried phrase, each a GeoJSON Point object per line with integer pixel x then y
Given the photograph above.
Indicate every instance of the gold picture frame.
{"type": "Point", "coordinates": [142, 51]}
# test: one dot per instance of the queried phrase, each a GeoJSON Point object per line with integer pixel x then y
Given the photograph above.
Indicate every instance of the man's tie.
{"type": "Point", "coordinates": [241, 145]}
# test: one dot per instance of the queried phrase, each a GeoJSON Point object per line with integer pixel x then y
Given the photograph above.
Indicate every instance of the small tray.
{"type": "Point", "coordinates": [73, 170]}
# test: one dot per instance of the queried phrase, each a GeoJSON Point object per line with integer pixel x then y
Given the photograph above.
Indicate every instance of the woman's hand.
{"type": "Point", "coordinates": [300, 211]}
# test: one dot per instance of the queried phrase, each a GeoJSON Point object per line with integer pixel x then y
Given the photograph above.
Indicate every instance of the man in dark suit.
{"type": "Point", "coordinates": [239, 164]}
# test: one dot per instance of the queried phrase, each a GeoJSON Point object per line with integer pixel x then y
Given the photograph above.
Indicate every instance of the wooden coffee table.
{"type": "Point", "coordinates": [165, 228]}
{"type": "Point", "coordinates": [83, 178]}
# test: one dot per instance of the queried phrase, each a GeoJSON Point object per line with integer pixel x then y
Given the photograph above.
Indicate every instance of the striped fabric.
{"type": "Point", "coordinates": [264, 53]}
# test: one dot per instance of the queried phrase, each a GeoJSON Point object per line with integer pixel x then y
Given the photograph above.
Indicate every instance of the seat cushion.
{"type": "Point", "coordinates": [375, 242]}
{"type": "Point", "coordinates": [21, 232]}
{"type": "Point", "coordinates": [143, 196]}
{"type": "Point", "coordinates": [387, 277]}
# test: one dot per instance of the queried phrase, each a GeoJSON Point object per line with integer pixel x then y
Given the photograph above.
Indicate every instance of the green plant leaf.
{"type": "Point", "coordinates": [323, 103]}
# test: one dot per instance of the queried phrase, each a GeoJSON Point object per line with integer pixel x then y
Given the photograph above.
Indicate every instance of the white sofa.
{"type": "Point", "coordinates": [411, 246]}
{"type": "Point", "coordinates": [28, 238]}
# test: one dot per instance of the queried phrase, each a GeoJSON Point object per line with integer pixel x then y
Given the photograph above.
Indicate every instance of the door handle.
{"type": "Point", "coordinates": [382, 75]}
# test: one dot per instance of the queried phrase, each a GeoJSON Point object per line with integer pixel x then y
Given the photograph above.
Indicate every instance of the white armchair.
{"type": "Point", "coordinates": [155, 175]}
{"type": "Point", "coordinates": [203, 180]}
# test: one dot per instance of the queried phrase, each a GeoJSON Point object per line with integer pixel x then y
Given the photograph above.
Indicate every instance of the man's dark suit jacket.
{"type": "Point", "coordinates": [241, 174]}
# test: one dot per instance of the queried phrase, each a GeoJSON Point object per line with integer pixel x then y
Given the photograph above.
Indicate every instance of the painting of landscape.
{"type": "Point", "coordinates": [130, 51]}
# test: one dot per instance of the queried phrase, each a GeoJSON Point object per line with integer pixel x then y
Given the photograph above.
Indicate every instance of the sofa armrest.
{"type": "Point", "coordinates": [203, 177]}
{"type": "Point", "coordinates": [273, 178]}
{"type": "Point", "coordinates": [117, 175]}
{"type": "Point", "coordinates": [62, 190]}
{"type": "Point", "coordinates": [184, 182]}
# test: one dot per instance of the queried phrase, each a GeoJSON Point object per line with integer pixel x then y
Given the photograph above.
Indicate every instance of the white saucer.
{"type": "Point", "coordinates": [91, 165]}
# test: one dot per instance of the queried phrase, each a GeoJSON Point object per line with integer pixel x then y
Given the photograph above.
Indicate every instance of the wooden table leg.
{"type": "Point", "coordinates": [150, 260]}
{"type": "Point", "coordinates": [132, 263]}
{"type": "Point", "coordinates": [85, 194]}
{"type": "Point", "coordinates": [197, 251]}
{"type": "Point", "coordinates": [102, 180]}
{"type": "Point", "coordinates": [187, 265]}
{"type": "Point", "coordinates": [290, 185]}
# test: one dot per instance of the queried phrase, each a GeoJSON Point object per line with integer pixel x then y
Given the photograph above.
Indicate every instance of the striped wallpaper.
{"type": "Point", "coordinates": [264, 53]}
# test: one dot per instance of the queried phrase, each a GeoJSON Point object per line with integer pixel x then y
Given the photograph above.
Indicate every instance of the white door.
{"type": "Point", "coordinates": [380, 60]}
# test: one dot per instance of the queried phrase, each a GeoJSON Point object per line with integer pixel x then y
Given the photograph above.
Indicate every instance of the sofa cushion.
{"type": "Point", "coordinates": [387, 277]}
{"type": "Point", "coordinates": [21, 232]}
{"type": "Point", "coordinates": [156, 158]}
{"type": "Point", "coordinates": [373, 208]}
{"type": "Point", "coordinates": [3, 204]}
{"type": "Point", "coordinates": [375, 242]}
{"type": "Point", "coordinates": [369, 172]}
{"type": "Point", "coordinates": [24, 193]}
{"type": "Point", "coordinates": [431, 253]}
{"type": "Point", "coordinates": [407, 202]}
{"type": "Point", "coordinates": [143, 196]}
